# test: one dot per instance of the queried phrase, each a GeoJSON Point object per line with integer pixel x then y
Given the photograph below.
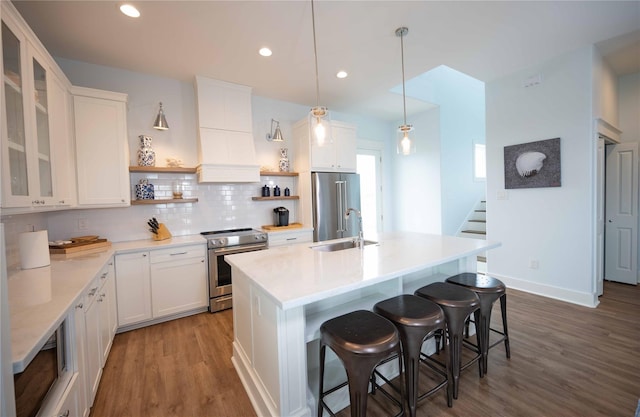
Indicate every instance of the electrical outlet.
{"type": "Point", "coordinates": [83, 224]}
{"type": "Point", "coordinates": [534, 264]}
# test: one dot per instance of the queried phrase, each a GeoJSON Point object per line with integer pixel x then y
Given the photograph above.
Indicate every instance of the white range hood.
{"type": "Point", "coordinates": [226, 151]}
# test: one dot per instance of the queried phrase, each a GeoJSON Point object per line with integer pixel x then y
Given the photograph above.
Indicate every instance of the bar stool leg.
{"type": "Point", "coordinates": [503, 310]}
{"type": "Point", "coordinates": [322, 355]}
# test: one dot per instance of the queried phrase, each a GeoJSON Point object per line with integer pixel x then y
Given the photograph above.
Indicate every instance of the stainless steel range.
{"type": "Point", "coordinates": [227, 242]}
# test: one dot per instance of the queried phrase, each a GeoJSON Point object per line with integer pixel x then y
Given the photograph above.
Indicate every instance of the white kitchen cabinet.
{"type": "Point", "coordinates": [68, 404]}
{"type": "Point", "coordinates": [102, 150]}
{"type": "Point", "coordinates": [32, 86]}
{"type": "Point", "coordinates": [337, 155]}
{"type": "Point", "coordinates": [81, 358]}
{"type": "Point", "coordinates": [100, 302]}
{"type": "Point", "coordinates": [178, 280]}
{"type": "Point", "coordinates": [92, 332]}
{"type": "Point", "coordinates": [153, 286]}
{"type": "Point", "coordinates": [289, 237]}
{"type": "Point", "coordinates": [133, 288]}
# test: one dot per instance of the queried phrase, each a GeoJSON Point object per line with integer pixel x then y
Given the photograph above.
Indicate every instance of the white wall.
{"type": "Point", "coordinates": [417, 181]}
{"type": "Point", "coordinates": [551, 225]}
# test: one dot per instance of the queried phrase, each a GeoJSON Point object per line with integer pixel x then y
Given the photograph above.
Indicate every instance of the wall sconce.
{"type": "Point", "coordinates": [161, 122]}
{"type": "Point", "coordinates": [275, 136]}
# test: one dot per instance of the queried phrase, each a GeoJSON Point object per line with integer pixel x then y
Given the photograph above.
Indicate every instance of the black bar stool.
{"type": "Point", "coordinates": [488, 290]}
{"type": "Point", "coordinates": [416, 319]}
{"type": "Point", "coordinates": [457, 303]}
{"type": "Point", "coordinates": [361, 339]}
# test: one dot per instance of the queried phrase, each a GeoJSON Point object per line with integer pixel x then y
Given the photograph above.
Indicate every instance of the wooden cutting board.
{"type": "Point", "coordinates": [271, 228]}
{"type": "Point", "coordinates": [79, 246]}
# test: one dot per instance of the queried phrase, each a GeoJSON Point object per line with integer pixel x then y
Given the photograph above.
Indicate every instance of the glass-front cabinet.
{"type": "Point", "coordinates": [27, 150]}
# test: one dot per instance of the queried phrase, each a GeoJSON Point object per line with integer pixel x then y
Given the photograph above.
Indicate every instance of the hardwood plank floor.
{"type": "Point", "coordinates": [566, 360]}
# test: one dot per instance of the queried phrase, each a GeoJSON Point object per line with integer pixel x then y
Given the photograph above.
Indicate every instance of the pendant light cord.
{"type": "Point", "coordinates": [403, 31]}
{"type": "Point", "coordinates": [315, 53]}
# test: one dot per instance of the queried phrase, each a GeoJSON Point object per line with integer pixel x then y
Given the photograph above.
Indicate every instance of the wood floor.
{"type": "Point", "coordinates": [566, 360]}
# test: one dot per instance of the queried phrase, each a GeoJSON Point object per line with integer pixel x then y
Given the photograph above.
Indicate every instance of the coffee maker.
{"type": "Point", "coordinates": [280, 216]}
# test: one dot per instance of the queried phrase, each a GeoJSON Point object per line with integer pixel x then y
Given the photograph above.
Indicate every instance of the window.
{"type": "Point", "coordinates": [479, 162]}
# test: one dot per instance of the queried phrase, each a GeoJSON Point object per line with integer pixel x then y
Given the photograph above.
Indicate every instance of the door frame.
{"type": "Point", "coordinates": [369, 147]}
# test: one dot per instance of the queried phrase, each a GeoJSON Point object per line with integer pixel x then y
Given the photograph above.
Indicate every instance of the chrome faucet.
{"type": "Point", "coordinates": [360, 235]}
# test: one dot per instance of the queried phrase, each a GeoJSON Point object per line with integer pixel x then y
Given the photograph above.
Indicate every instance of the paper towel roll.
{"type": "Point", "coordinates": [34, 249]}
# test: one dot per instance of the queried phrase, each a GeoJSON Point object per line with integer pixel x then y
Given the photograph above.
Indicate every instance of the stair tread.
{"type": "Point", "coordinates": [480, 211]}
{"type": "Point", "coordinates": [477, 232]}
{"type": "Point", "coordinates": [477, 221]}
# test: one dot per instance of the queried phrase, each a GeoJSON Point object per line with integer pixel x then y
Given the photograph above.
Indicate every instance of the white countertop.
{"type": "Point", "coordinates": [296, 275]}
{"type": "Point", "coordinates": [40, 298]}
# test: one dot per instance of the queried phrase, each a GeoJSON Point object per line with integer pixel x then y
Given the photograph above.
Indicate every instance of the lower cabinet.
{"type": "Point", "coordinates": [68, 405]}
{"type": "Point", "coordinates": [99, 307]}
{"type": "Point", "coordinates": [178, 280]}
{"type": "Point", "coordinates": [160, 283]}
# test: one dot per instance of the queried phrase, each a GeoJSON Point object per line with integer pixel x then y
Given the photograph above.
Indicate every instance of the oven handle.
{"type": "Point", "coordinates": [230, 251]}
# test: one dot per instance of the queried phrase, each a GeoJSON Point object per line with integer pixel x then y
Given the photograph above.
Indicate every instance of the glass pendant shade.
{"type": "Point", "coordinates": [320, 125]}
{"type": "Point", "coordinates": [406, 144]}
{"type": "Point", "coordinates": [161, 121]}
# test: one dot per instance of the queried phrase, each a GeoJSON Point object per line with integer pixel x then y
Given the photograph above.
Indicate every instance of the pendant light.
{"type": "Point", "coordinates": [319, 118]}
{"type": "Point", "coordinates": [406, 143]}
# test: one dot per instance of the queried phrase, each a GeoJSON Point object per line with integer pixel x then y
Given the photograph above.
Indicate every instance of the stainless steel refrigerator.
{"type": "Point", "coordinates": [332, 194]}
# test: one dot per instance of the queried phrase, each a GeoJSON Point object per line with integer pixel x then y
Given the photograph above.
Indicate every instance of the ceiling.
{"type": "Point", "coordinates": [220, 39]}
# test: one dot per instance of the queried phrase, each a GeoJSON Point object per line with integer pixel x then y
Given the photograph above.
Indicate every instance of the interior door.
{"type": "Point", "coordinates": [621, 213]}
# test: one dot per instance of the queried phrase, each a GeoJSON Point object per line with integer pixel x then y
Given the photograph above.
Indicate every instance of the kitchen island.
{"type": "Point", "coordinates": [281, 297]}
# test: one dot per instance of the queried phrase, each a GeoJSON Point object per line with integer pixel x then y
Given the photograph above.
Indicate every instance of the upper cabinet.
{"type": "Point", "coordinates": [102, 151]}
{"type": "Point", "coordinates": [337, 155]}
{"type": "Point", "coordinates": [226, 152]}
{"type": "Point", "coordinates": [33, 113]}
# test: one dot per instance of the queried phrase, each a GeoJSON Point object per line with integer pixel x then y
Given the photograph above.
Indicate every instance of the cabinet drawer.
{"type": "Point", "coordinates": [180, 252]}
{"type": "Point", "coordinates": [107, 271]}
{"type": "Point", "coordinates": [289, 238]}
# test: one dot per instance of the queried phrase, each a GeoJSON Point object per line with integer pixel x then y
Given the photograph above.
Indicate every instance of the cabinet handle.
{"type": "Point", "coordinates": [65, 414]}
{"type": "Point", "coordinates": [103, 295]}
{"type": "Point", "coordinates": [61, 202]}
{"type": "Point", "coordinates": [110, 263]}
{"type": "Point", "coordinates": [104, 275]}
{"type": "Point", "coordinates": [100, 299]}
{"type": "Point", "coordinates": [178, 253]}
{"type": "Point", "coordinates": [80, 306]}
{"type": "Point", "coordinates": [292, 238]}
{"type": "Point", "coordinates": [93, 291]}
{"type": "Point", "coordinates": [144, 255]}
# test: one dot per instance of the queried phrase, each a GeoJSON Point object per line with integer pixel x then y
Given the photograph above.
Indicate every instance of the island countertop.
{"type": "Point", "coordinates": [296, 275]}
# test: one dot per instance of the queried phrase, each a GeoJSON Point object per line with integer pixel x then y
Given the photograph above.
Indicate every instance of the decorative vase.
{"type": "Point", "coordinates": [144, 190]}
{"type": "Point", "coordinates": [146, 155]}
{"type": "Point", "coordinates": [284, 160]}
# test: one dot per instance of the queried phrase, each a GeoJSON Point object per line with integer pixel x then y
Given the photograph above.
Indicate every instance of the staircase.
{"type": "Point", "coordinates": [475, 227]}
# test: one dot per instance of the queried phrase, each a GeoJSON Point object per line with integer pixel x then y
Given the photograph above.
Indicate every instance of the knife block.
{"type": "Point", "coordinates": [163, 233]}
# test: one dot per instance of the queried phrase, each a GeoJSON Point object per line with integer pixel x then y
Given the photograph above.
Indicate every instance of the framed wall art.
{"type": "Point", "coordinates": [532, 165]}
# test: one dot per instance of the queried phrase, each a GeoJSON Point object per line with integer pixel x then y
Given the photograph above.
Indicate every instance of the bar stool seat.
{"type": "Point", "coordinates": [416, 319]}
{"type": "Point", "coordinates": [457, 303]}
{"type": "Point", "coordinates": [361, 339]}
{"type": "Point", "coordinates": [489, 290]}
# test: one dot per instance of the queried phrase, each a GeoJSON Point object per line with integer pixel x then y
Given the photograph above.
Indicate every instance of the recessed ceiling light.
{"type": "Point", "coordinates": [342, 74]}
{"type": "Point", "coordinates": [129, 10]}
{"type": "Point", "coordinates": [265, 52]}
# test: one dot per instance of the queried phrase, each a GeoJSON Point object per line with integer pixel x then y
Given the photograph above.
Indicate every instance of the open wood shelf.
{"type": "Point", "coordinates": [164, 201]}
{"type": "Point", "coordinates": [282, 197]}
{"type": "Point", "coordinates": [163, 169]}
{"type": "Point", "coordinates": [278, 174]}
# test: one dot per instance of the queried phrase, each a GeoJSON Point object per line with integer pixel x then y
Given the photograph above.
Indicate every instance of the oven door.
{"type": "Point", "coordinates": [220, 270]}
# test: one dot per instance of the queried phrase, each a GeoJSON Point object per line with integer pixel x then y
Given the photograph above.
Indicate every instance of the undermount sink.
{"type": "Point", "coordinates": [348, 244]}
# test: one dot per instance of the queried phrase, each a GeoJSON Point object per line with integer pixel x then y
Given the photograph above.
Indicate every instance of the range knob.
{"type": "Point", "coordinates": [260, 237]}
{"type": "Point", "coordinates": [219, 242]}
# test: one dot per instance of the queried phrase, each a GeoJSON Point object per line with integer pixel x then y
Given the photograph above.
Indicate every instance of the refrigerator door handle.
{"type": "Point", "coordinates": [339, 204]}
{"type": "Point", "coordinates": [344, 208]}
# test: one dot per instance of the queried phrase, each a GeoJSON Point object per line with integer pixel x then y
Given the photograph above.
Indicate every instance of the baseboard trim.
{"type": "Point", "coordinates": [562, 294]}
